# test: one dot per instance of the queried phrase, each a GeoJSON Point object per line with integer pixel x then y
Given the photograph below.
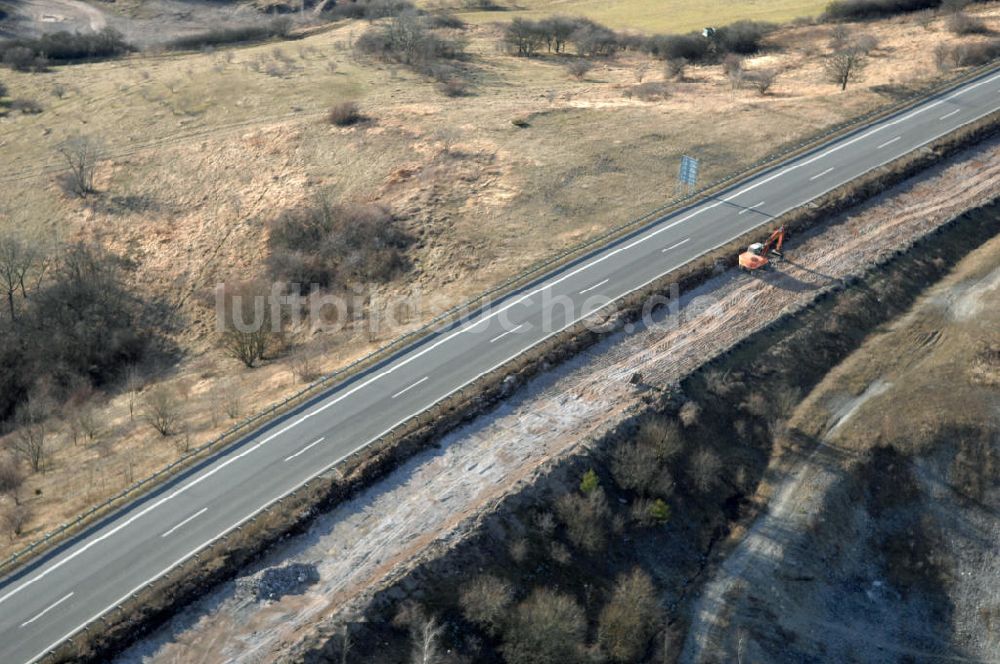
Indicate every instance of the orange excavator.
{"type": "Point", "coordinates": [755, 257]}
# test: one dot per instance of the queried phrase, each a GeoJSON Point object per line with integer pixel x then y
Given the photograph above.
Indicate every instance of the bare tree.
{"type": "Point", "coordinates": [17, 259]}
{"type": "Point", "coordinates": [547, 628]}
{"type": "Point", "coordinates": [133, 383]}
{"type": "Point", "coordinates": [426, 634]}
{"type": "Point", "coordinates": [845, 66]}
{"type": "Point", "coordinates": [81, 154]}
{"type": "Point", "coordinates": [249, 327]}
{"type": "Point", "coordinates": [11, 477]}
{"type": "Point", "coordinates": [485, 601]}
{"type": "Point", "coordinates": [630, 619]}
{"type": "Point", "coordinates": [161, 409]}
{"type": "Point", "coordinates": [31, 434]}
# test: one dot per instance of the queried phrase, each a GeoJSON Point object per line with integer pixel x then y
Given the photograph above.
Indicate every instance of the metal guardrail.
{"type": "Point", "coordinates": [454, 315]}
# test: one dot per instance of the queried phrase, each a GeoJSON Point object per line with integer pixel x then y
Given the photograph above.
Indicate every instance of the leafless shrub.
{"type": "Point", "coordinates": [674, 69]}
{"type": "Point", "coordinates": [547, 628]}
{"type": "Point", "coordinates": [961, 23]}
{"type": "Point", "coordinates": [249, 328]}
{"type": "Point", "coordinates": [579, 69]}
{"type": "Point", "coordinates": [305, 367]}
{"type": "Point", "coordinates": [560, 553]}
{"type": "Point", "coordinates": [161, 408]}
{"type": "Point", "coordinates": [689, 414]}
{"type": "Point", "coordinates": [14, 517]}
{"type": "Point", "coordinates": [649, 91]}
{"type": "Point", "coordinates": [518, 550]}
{"type": "Point", "coordinates": [866, 42]}
{"type": "Point", "coordinates": [662, 435]}
{"type": "Point", "coordinates": [345, 114]}
{"type": "Point", "coordinates": [586, 519]}
{"type": "Point", "coordinates": [761, 80]}
{"type": "Point", "coordinates": [11, 477]}
{"type": "Point", "coordinates": [25, 106]}
{"type": "Point", "coordinates": [641, 70]}
{"type": "Point", "coordinates": [630, 619]}
{"type": "Point", "coordinates": [329, 244]}
{"type": "Point", "coordinates": [81, 154]}
{"type": "Point", "coordinates": [232, 399]}
{"type": "Point", "coordinates": [454, 86]}
{"type": "Point", "coordinates": [704, 469]}
{"type": "Point", "coordinates": [485, 601]}
{"type": "Point", "coordinates": [635, 467]}
{"type": "Point", "coordinates": [840, 36]}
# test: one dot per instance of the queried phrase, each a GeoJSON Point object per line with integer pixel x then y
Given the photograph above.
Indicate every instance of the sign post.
{"type": "Point", "coordinates": [688, 175]}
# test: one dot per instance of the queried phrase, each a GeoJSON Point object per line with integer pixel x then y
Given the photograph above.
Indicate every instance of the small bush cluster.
{"type": "Point", "coordinates": [407, 39]}
{"type": "Point", "coordinates": [345, 114]}
{"type": "Point", "coordinates": [966, 55]}
{"type": "Point", "coordinates": [34, 54]}
{"type": "Point", "coordinates": [369, 9]}
{"type": "Point", "coordinates": [279, 27]}
{"type": "Point", "coordinates": [525, 37]}
{"type": "Point", "coordinates": [80, 326]}
{"type": "Point", "coordinates": [330, 244]}
{"type": "Point", "coordinates": [852, 10]}
{"type": "Point", "coordinates": [960, 23]}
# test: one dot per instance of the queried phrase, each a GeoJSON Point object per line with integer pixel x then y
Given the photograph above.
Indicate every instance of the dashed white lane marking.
{"type": "Point", "coordinates": [305, 449]}
{"type": "Point", "coordinates": [504, 334]}
{"type": "Point", "coordinates": [819, 175]}
{"type": "Point", "coordinates": [44, 611]}
{"type": "Point", "coordinates": [751, 208]}
{"type": "Point", "coordinates": [674, 246]}
{"type": "Point", "coordinates": [407, 389]}
{"type": "Point", "coordinates": [948, 115]}
{"type": "Point", "coordinates": [598, 285]}
{"type": "Point", "coordinates": [889, 142]}
{"type": "Point", "coordinates": [185, 521]}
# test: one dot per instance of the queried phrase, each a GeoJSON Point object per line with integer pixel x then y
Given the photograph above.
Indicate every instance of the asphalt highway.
{"type": "Point", "coordinates": [55, 597]}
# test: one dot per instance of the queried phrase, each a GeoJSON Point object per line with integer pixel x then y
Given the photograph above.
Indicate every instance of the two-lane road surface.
{"type": "Point", "coordinates": [55, 597]}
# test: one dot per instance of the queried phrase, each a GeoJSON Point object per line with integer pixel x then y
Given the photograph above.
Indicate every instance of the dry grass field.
{"type": "Point", "coordinates": [204, 149]}
{"type": "Point", "coordinates": [671, 16]}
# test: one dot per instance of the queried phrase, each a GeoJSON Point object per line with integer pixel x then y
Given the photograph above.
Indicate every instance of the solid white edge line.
{"type": "Point", "coordinates": [407, 389]}
{"type": "Point", "coordinates": [368, 442]}
{"type": "Point", "coordinates": [305, 449]}
{"type": "Point", "coordinates": [46, 610]}
{"type": "Point", "coordinates": [185, 521]}
{"type": "Point", "coordinates": [504, 334]}
{"type": "Point", "coordinates": [889, 142]}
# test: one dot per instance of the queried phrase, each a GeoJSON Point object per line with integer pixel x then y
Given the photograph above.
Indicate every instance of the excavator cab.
{"type": "Point", "coordinates": [756, 255]}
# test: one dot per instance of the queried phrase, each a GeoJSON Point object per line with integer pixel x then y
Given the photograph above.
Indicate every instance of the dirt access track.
{"type": "Point", "coordinates": [438, 498]}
